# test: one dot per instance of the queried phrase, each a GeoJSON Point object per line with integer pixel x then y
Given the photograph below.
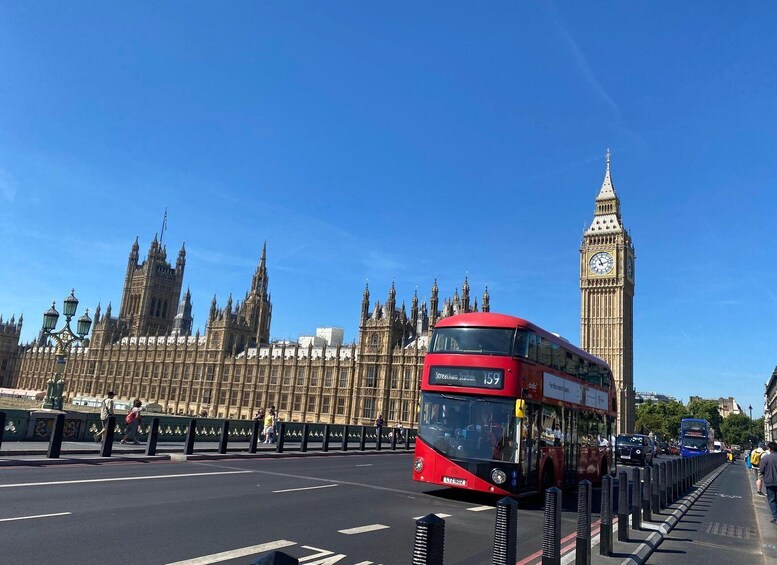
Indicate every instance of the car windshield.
{"type": "Point", "coordinates": [488, 341]}
{"type": "Point", "coordinates": [467, 427]}
{"type": "Point", "coordinates": [629, 440]}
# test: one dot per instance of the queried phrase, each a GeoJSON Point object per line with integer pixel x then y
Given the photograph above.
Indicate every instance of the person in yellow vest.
{"type": "Point", "coordinates": [269, 426]}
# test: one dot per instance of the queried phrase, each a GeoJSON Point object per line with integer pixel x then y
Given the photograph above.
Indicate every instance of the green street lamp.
{"type": "Point", "coordinates": [64, 338]}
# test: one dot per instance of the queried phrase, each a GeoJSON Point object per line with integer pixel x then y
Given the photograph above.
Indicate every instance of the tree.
{"type": "Point", "coordinates": [707, 410]}
{"type": "Point", "coordinates": [662, 419]}
{"type": "Point", "coordinates": [736, 429]}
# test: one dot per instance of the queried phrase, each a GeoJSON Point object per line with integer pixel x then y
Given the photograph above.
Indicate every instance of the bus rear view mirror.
{"type": "Point", "coordinates": [520, 409]}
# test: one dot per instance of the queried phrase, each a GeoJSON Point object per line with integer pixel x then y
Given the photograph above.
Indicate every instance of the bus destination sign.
{"type": "Point", "coordinates": [466, 376]}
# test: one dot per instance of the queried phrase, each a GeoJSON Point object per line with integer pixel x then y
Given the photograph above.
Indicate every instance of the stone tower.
{"type": "Point", "coordinates": [152, 290]}
{"type": "Point", "coordinates": [9, 348]}
{"type": "Point", "coordinates": [182, 325]}
{"type": "Point", "coordinates": [607, 296]}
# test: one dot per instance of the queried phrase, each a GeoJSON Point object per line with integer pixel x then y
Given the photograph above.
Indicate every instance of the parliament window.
{"type": "Point", "coordinates": [368, 408]}
{"type": "Point", "coordinates": [371, 377]}
{"type": "Point", "coordinates": [343, 378]}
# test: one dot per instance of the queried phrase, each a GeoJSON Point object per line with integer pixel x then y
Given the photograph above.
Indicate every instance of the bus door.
{"type": "Point", "coordinates": [571, 451]}
{"type": "Point", "coordinates": [530, 431]}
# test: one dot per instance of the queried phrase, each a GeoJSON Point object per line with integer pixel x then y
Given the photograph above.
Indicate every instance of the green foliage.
{"type": "Point", "coordinates": [707, 410]}
{"type": "Point", "coordinates": [738, 429]}
{"type": "Point", "coordinates": [662, 419]}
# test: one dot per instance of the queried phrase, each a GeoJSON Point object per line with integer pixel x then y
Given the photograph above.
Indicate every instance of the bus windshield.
{"type": "Point", "coordinates": [468, 427]}
{"type": "Point", "coordinates": [489, 341]}
{"type": "Point", "coordinates": [695, 442]}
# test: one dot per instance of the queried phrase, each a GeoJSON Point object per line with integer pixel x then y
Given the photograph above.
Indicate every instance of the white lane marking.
{"type": "Point", "coordinates": [363, 529]}
{"type": "Point", "coordinates": [115, 479]}
{"type": "Point", "coordinates": [235, 553]}
{"type": "Point", "coordinates": [480, 508]}
{"type": "Point", "coordinates": [38, 516]}
{"type": "Point", "coordinates": [303, 488]}
{"type": "Point", "coordinates": [365, 465]}
{"type": "Point", "coordinates": [319, 553]}
{"type": "Point", "coordinates": [438, 515]}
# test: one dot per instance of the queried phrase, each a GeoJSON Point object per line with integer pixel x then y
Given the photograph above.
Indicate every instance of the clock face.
{"type": "Point", "coordinates": [601, 263]}
{"type": "Point", "coordinates": [630, 267]}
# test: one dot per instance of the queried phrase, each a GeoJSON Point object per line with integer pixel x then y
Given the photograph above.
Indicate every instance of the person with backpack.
{"type": "Point", "coordinates": [132, 421]}
{"type": "Point", "coordinates": [106, 410]}
{"type": "Point", "coordinates": [767, 474]}
{"type": "Point", "coordinates": [755, 461]}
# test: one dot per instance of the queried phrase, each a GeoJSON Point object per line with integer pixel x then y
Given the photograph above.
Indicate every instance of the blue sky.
{"type": "Point", "coordinates": [403, 142]}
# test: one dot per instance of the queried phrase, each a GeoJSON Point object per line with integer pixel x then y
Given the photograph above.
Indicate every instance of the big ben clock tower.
{"type": "Point", "coordinates": [607, 297]}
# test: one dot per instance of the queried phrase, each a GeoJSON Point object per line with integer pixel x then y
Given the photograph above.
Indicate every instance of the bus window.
{"type": "Point", "coordinates": [521, 348]}
{"type": "Point", "coordinates": [551, 433]}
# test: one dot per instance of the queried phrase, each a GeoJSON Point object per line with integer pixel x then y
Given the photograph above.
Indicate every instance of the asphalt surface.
{"type": "Point", "coordinates": [358, 509]}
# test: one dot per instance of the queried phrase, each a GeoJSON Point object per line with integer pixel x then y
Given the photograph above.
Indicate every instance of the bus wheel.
{"type": "Point", "coordinates": [548, 479]}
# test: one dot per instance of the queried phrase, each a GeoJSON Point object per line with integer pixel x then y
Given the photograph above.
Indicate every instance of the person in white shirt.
{"type": "Point", "coordinates": [106, 410]}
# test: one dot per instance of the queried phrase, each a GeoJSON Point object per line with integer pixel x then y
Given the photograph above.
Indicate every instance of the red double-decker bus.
{"type": "Point", "coordinates": [509, 408]}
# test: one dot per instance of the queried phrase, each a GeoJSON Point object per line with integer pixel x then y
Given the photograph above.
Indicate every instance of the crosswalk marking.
{"type": "Point", "coordinates": [363, 529]}
{"type": "Point", "coordinates": [235, 553]}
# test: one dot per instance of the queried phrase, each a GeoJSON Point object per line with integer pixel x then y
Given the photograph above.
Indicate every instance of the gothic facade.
{"type": "Point", "coordinates": [10, 331]}
{"type": "Point", "coordinates": [233, 368]}
{"type": "Point", "coordinates": [607, 296]}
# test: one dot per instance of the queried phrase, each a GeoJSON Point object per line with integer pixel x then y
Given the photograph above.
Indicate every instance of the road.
{"type": "Point", "coordinates": [357, 509]}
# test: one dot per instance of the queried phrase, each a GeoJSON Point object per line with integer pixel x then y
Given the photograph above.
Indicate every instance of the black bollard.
{"type": "Point", "coordinates": [55, 442]}
{"type": "Point", "coordinates": [506, 532]}
{"type": "Point", "coordinates": [675, 480]}
{"type": "Point", "coordinates": [647, 486]}
{"type": "Point", "coordinates": [406, 433]}
{"type": "Point", "coordinates": [429, 541]}
{"type": "Point", "coordinates": [106, 446]}
{"type": "Point", "coordinates": [188, 447]}
{"type": "Point", "coordinates": [636, 499]}
{"type": "Point", "coordinates": [281, 434]}
{"type": "Point", "coordinates": [325, 441]}
{"type": "Point", "coordinates": [275, 558]}
{"type": "Point", "coordinates": [362, 438]}
{"type": "Point", "coordinates": [153, 433]}
{"type": "Point", "coordinates": [583, 540]}
{"type": "Point", "coordinates": [605, 532]}
{"type": "Point", "coordinates": [304, 443]}
{"type": "Point", "coordinates": [393, 440]}
{"type": "Point", "coordinates": [255, 430]}
{"type": "Point", "coordinates": [551, 528]}
{"type": "Point", "coordinates": [654, 489]}
{"type": "Point", "coordinates": [623, 506]}
{"type": "Point", "coordinates": [224, 438]}
{"type": "Point", "coordinates": [662, 486]}
{"type": "Point", "coordinates": [344, 446]}
{"type": "Point", "coordinates": [2, 427]}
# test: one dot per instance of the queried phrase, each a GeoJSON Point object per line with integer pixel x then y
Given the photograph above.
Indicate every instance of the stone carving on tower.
{"type": "Point", "coordinates": [607, 296]}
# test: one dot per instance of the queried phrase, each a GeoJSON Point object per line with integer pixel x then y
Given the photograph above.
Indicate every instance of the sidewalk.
{"type": "Point", "coordinates": [728, 524]}
{"type": "Point", "coordinates": [34, 452]}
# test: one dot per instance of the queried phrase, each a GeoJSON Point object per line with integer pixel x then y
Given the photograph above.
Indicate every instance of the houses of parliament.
{"type": "Point", "coordinates": [148, 351]}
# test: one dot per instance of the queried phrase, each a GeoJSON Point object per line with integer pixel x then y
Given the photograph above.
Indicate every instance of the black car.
{"type": "Point", "coordinates": [634, 449]}
{"type": "Point", "coordinates": [663, 448]}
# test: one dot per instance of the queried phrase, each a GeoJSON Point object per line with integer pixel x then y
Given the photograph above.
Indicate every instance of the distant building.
{"type": "Point", "coordinates": [329, 336]}
{"type": "Point", "coordinates": [770, 408]}
{"type": "Point", "coordinates": [656, 398]}
{"type": "Point", "coordinates": [726, 406]}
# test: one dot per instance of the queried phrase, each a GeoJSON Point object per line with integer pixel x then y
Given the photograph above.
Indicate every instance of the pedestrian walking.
{"type": "Point", "coordinates": [132, 421]}
{"type": "Point", "coordinates": [767, 473]}
{"type": "Point", "coordinates": [755, 461]}
{"type": "Point", "coordinates": [106, 410]}
{"type": "Point", "coordinates": [378, 425]}
{"type": "Point", "coordinates": [747, 460]}
{"type": "Point", "coordinates": [269, 426]}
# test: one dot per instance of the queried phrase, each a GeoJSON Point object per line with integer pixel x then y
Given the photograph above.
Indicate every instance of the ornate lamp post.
{"type": "Point", "coordinates": [751, 411]}
{"type": "Point", "coordinates": [64, 339]}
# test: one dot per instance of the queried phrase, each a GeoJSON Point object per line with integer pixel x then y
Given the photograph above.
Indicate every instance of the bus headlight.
{"type": "Point", "coordinates": [418, 465]}
{"type": "Point", "coordinates": [498, 476]}
{"type": "Point", "coordinates": [638, 451]}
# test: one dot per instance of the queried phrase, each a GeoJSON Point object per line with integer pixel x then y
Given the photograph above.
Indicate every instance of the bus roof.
{"type": "Point", "coordinates": [496, 320]}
